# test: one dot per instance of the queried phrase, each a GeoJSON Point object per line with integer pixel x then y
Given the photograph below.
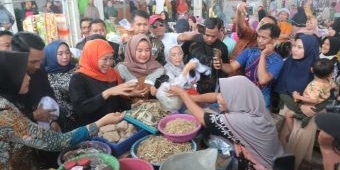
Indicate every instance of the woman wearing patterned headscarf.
{"type": "Point", "coordinates": [96, 88]}
{"type": "Point", "coordinates": [244, 120]}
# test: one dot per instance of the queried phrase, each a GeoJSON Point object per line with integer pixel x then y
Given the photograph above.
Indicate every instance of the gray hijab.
{"type": "Point", "coordinates": [249, 120]}
{"type": "Point", "coordinates": [170, 69]}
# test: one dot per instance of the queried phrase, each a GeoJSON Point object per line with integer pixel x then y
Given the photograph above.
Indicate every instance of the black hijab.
{"type": "Point", "coordinates": [300, 18]}
{"type": "Point", "coordinates": [334, 46]}
{"type": "Point", "coordinates": [13, 67]}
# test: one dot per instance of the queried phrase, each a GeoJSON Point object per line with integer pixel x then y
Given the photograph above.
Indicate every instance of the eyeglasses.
{"type": "Point", "coordinates": [108, 59]}
{"type": "Point", "coordinates": [156, 24]}
{"type": "Point", "coordinates": [173, 55]}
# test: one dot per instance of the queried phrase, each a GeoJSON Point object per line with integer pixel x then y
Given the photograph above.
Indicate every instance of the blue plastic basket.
{"type": "Point", "coordinates": [121, 147]}
{"type": "Point", "coordinates": [140, 124]}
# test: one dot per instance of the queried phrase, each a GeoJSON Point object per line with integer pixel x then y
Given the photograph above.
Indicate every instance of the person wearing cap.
{"type": "Point", "coordinates": [140, 25]}
{"type": "Point", "coordinates": [329, 138]}
{"type": "Point", "coordinates": [285, 26]}
{"type": "Point", "coordinates": [157, 29]}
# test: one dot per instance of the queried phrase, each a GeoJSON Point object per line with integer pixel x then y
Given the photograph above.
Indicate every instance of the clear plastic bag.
{"type": "Point", "coordinates": [202, 160]}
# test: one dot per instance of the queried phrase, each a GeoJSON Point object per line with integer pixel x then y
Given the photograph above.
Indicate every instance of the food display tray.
{"type": "Point", "coordinates": [140, 124]}
{"type": "Point", "coordinates": [121, 147]}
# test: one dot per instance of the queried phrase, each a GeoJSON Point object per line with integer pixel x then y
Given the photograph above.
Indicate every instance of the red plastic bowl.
{"type": "Point", "coordinates": [134, 163]}
{"type": "Point", "coordinates": [179, 138]}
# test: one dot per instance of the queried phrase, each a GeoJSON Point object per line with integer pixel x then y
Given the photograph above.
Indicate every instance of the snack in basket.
{"type": "Point", "coordinates": [86, 164]}
{"type": "Point", "coordinates": [180, 126]}
{"type": "Point", "coordinates": [117, 132]}
{"type": "Point", "coordinates": [156, 149]}
{"type": "Point", "coordinates": [148, 112]}
{"type": "Point", "coordinates": [74, 153]}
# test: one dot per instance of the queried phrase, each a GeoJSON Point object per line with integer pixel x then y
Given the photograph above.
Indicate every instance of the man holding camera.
{"type": "Point", "coordinates": [247, 36]}
{"type": "Point", "coordinates": [210, 35]}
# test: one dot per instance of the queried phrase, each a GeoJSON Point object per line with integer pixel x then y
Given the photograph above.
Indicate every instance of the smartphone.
{"type": "Point", "coordinates": [250, 10]}
{"type": "Point", "coordinates": [201, 28]}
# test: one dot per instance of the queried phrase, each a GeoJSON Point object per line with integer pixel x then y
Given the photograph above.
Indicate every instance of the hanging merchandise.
{"type": "Point", "coordinates": [49, 26]}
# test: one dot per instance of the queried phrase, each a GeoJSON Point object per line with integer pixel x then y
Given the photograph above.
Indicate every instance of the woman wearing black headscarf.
{"type": "Point", "coordinates": [19, 135]}
{"type": "Point", "coordinates": [294, 76]}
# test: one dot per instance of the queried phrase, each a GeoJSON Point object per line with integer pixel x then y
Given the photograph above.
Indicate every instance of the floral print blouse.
{"type": "Point", "coordinates": [60, 85]}
{"type": "Point", "coordinates": [19, 136]}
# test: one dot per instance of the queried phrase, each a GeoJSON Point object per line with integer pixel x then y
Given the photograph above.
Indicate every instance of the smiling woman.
{"type": "Point", "coordinates": [96, 88]}
{"type": "Point", "coordinates": [138, 65]}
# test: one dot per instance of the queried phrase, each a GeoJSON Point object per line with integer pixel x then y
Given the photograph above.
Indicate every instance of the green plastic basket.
{"type": "Point", "coordinates": [106, 158]}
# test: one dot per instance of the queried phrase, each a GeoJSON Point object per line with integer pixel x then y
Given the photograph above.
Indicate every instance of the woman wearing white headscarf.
{"type": "Point", "coordinates": [244, 121]}
{"type": "Point", "coordinates": [176, 70]}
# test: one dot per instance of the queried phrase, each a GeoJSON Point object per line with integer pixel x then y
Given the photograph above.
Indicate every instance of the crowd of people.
{"type": "Point", "coordinates": [248, 75]}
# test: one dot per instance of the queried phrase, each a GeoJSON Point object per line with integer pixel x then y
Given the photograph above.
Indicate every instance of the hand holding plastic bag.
{"type": "Point", "coordinates": [171, 103]}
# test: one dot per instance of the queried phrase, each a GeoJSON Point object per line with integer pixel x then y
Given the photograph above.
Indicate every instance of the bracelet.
{"type": "Point", "coordinates": [51, 121]}
{"type": "Point", "coordinates": [93, 129]}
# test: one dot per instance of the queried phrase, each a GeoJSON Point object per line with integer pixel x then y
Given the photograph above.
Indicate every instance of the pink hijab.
{"type": "Point", "coordinates": [136, 68]}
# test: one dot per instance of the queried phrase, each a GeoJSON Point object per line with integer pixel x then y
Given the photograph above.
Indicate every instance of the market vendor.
{"type": "Point", "coordinates": [244, 121]}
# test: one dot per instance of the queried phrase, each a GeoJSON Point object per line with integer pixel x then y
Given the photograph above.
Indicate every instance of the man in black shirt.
{"type": "Point", "coordinates": [209, 44]}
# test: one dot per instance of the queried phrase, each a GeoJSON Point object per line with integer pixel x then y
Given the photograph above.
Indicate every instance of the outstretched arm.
{"type": "Point", "coordinates": [193, 108]}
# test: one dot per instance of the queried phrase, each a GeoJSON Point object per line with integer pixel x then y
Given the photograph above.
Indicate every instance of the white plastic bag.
{"type": "Point", "coordinates": [48, 103]}
{"type": "Point", "coordinates": [171, 103]}
{"type": "Point", "coordinates": [199, 160]}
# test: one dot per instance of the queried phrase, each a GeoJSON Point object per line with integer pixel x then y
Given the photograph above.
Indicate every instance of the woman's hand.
{"type": "Point", "coordinates": [55, 126]}
{"type": "Point", "coordinates": [190, 65]}
{"type": "Point", "coordinates": [41, 114]}
{"type": "Point", "coordinates": [111, 118]}
{"type": "Point", "coordinates": [153, 90]}
{"type": "Point", "coordinates": [122, 89]}
{"type": "Point", "coordinates": [176, 91]}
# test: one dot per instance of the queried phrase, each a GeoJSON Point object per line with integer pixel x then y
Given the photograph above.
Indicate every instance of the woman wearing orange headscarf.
{"type": "Point", "coordinates": [96, 89]}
